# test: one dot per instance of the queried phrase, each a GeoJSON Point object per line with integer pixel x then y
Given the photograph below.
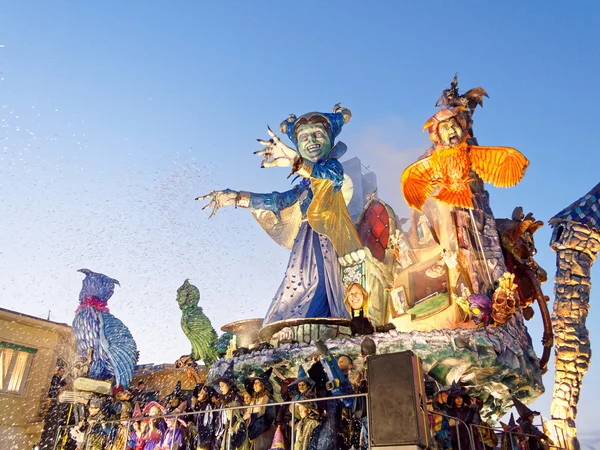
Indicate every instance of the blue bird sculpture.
{"type": "Point", "coordinates": [100, 336]}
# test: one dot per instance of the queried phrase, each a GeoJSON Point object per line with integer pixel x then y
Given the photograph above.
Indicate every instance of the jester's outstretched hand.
{"type": "Point", "coordinates": [276, 153]}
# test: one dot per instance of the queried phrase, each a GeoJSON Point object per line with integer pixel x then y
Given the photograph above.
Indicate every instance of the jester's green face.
{"type": "Point", "coordinates": [313, 141]}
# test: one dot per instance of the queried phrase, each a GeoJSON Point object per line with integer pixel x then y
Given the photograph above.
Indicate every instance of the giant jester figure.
{"type": "Point", "coordinates": [100, 337]}
{"type": "Point", "coordinates": [311, 219]}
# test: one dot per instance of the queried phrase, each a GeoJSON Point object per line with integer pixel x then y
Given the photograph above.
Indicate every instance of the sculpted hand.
{"type": "Point", "coordinates": [276, 153]}
{"type": "Point", "coordinates": [218, 199]}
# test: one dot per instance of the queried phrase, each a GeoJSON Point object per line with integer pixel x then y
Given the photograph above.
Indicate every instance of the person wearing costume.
{"type": "Point", "coordinates": [441, 425]}
{"type": "Point", "coordinates": [311, 219]}
{"type": "Point", "coordinates": [260, 419]}
{"type": "Point", "coordinates": [123, 437]}
{"type": "Point", "coordinates": [357, 303]}
{"type": "Point", "coordinates": [307, 427]}
{"type": "Point", "coordinates": [513, 437]}
{"type": "Point", "coordinates": [150, 431]}
{"type": "Point", "coordinates": [205, 423]}
{"type": "Point", "coordinates": [173, 436]}
{"type": "Point", "coordinates": [231, 431]}
{"type": "Point", "coordinates": [465, 413]}
{"type": "Point", "coordinates": [92, 434]}
{"type": "Point", "coordinates": [535, 438]}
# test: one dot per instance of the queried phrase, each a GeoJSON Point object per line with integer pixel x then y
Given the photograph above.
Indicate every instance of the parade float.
{"type": "Point", "coordinates": [451, 283]}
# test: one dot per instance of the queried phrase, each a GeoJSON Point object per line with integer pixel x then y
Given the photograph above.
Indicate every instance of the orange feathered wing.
{"type": "Point", "coordinates": [500, 166]}
{"type": "Point", "coordinates": [417, 183]}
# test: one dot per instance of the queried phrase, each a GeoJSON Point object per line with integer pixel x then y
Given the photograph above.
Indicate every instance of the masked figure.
{"type": "Point", "coordinates": [231, 431]}
{"type": "Point", "coordinates": [311, 219]}
{"type": "Point", "coordinates": [307, 429]}
{"type": "Point", "coordinates": [205, 423]}
{"type": "Point", "coordinates": [261, 428]}
{"type": "Point", "coordinates": [446, 171]}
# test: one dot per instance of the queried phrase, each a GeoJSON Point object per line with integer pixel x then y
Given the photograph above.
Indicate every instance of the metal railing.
{"type": "Point", "coordinates": [63, 430]}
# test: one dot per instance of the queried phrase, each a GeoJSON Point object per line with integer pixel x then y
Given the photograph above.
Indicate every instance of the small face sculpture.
{"type": "Point", "coordinates": [154, 411]}
{"type": "Point", "coordinates": [313, 141]}
{"type": "Point", "coordinates": [504, 306]}
{"type": "Point", "coordinates": [450, 133]}
{"type": "Point", "coordinates": [223, 387]}
{"type": "Point", "coordinates": [258, 386]}
{"type": "Point", "coordinates": [355, 298]}
{"type": "Point", "coordinates": [458, 402]}
{"type": "Point", "coordinates": [480, 307]}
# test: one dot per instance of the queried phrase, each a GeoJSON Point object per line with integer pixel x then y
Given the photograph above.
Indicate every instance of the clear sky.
{"type": "Point", "coordinates": [116, 115]}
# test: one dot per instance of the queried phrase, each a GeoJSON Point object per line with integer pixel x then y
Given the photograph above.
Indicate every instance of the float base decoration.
{"type": "Point", "coordinates": [493, 362]}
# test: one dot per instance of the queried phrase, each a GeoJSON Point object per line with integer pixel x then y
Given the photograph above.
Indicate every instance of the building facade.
{"type": "Point", "coordinates": [30, 350]}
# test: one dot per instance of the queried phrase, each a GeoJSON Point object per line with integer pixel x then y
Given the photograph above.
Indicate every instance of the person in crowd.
{"type": "Point", "coordinates": [150, 431]}
{"type": "Point", "coordinates": [140, 395]}
{"type": "Point", "coordinates": [307, 427]}
{"type": "Point", "coordinates": [536, 439]}
{"type": "Point", "coordinates": [123, 437]}
{"type": "Point", "coordinates": [465, 413]}
{"type": "Point", "coordinates": [231, 431]}
{"type": "Point", "coordinates": [205, 423]}
{"type": "Point", "coordinates": [512, 436]}
{"type": "Point", "coordinates": [93, 433]}
{"type": "Point", "coordinates": [260, 419]}
{"type": "Point", "coordinates": [57, 383]}
{"type": "Point", "coordinates": [173, 437]}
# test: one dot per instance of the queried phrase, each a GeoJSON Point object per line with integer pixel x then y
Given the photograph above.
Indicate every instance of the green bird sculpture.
{"type": "Point", "coordinates": [196, 325]}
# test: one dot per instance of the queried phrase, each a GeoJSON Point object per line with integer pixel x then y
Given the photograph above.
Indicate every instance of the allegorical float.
{"type": "Point", "coordinates": [451, 282]}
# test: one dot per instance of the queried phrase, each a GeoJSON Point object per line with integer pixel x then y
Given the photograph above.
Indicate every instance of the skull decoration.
{"type": "Point", "coordinates": [480, 307]}
{"type": "Point", "coordinates": [505, 299]}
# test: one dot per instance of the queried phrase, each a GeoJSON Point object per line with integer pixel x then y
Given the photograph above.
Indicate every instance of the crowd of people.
{"type": "Point", "coordinates": [139, 420]}
{"type": "Point", "coordinates": [199, 420]}
{"type": "Point", "coordinates": [456, 424]}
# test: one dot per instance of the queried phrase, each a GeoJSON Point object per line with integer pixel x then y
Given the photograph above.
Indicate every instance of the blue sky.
{"type": "Point", "coordinates": [115, 115]}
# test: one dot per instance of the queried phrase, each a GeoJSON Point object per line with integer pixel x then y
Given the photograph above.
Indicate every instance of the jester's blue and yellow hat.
{"type": "Point", "coordinates": [333, 121]}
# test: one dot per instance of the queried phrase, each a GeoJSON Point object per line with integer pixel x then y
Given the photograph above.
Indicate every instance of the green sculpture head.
{"type": "Point", "coordinates": [187, 295]}
{"type": "Point", "coordinates": [314, 141]}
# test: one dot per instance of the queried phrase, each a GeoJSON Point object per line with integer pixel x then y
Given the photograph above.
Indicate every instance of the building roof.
{"type": "Point", "coordinates": [32, 320]}
{"type": "Point", "coordinates": [585, 211]}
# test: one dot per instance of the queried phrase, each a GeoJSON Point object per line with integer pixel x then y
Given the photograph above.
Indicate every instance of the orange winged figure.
{"type": "Point", "coordinates": [449, 165]}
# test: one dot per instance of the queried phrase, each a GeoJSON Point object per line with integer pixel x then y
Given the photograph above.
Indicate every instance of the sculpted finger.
{"type": "Point", "coordinates": [207, 196]}
{"type": "Point", "coordinates": [214, 211]}
{"type": "Point", "coordinates": [262, 152]}
{"type": "Point", "coordinates": [269, 163]}
{"type": "Point", "coordinates": [261, 142]}
{"type": "Point", "coordinates": [273, 135]}
{"type": "Point", "coordinates": [208, 205]}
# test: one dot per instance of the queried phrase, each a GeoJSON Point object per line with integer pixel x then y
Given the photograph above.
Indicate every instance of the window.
{"type": "Point", "coordinates": [15, 361]}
